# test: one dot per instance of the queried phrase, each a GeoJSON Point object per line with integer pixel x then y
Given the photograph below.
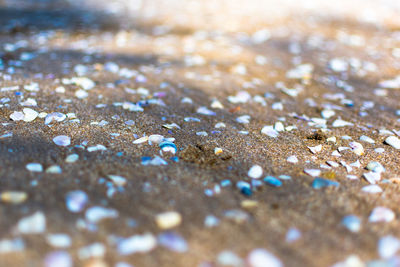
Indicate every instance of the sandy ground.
{"type": "Point", "coordinates": [155, 63]}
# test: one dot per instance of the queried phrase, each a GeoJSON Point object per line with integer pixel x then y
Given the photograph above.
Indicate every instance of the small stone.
{"type": "Point", "coordinates": [261, 258]}
{"type": "Point", "coordinates": [168, 220]}
{"type": "Point", "coordinates": [13, 197]}
{"type": "Point", "coordinates": [352, 223]}
{"type": "Point", "coordinates": [393, 141]}
{"type": "Point", "coordinates": [381, 214]}
{"type": "Point", "coordinates": [62, 140]}
{"type": "Point", "coordinates": [255, 172]}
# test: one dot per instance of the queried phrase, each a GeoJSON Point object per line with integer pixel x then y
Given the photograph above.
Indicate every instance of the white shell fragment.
{"type": "Point", "coordinates": [292, 159]}
{"type": "Point", "coordinates": [32, 224]}
{"type": "Point", "coordinates": [137, 244]}
{"type": "Point", "coordinates": [97, 147]}
{"type": "Point", "coordinates": [393, 141]}
{"type": "Point", "coordinates": [270, 131]}
{"type": "Point", "coordinates": [30, 114]}
{"type": "Point", "coordinates": [17, 116]}
{"type": "Point", "coordinates": [388, 246]}
{"type": "Point", "coordinates": [312, 172]}
{"type": "Point", "coordinates": [372, 177]}
{"type": "Point", "coordinates": [357, 148]}
{"type": "Point", "coordinates": [262, 258]}
{"type": "Point", "coordinates": [34, 167]}
{"type": "Point", "coordinates": [117, 180]}
{"type": "Point", "coordinates": [255, 172]}
{"type": "Point", "coordinates": [372, 188]}
{"type": "Point", "coordinates": [381, 214]}
{"type": "Point", "coordinates": [341, 123]}
{"type": "Point", "coordinates": [96, 214]}
{"type": "Point", "coordinates": [62, 140]}
{"type": "Point", "coordinates": [367, 139]}
{"type": "Point", "coordinates": [315, 149]}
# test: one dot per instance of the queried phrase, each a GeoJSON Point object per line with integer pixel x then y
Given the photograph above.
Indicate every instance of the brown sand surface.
{"type": "Point", "coordinates": [155, 63]}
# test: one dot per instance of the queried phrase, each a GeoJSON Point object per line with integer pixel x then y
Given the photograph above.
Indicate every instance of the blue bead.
{"type": "Point", "coordinates": [175, 159]}
{"type": "Point", "coordinates": [272, 181]}
{"type": "Point", "coordinates": [246, 191]}
{"type": "Point", "coordinates": [320, 183]}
